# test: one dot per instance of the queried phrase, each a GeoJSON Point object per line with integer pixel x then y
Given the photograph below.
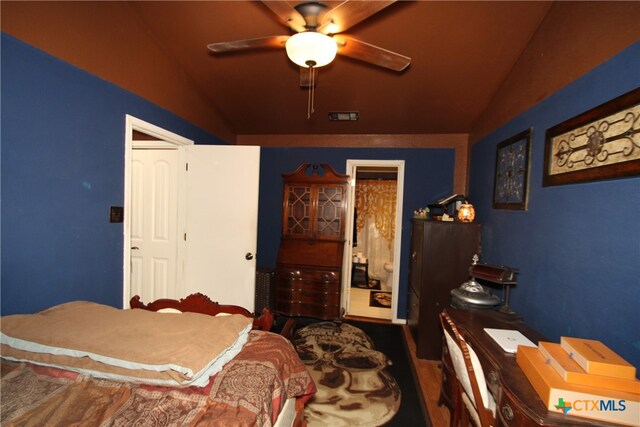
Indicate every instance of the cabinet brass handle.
{"type": "Point", "coordinates": [507, 412]}
{"type": "Point", "coordinates": [493, 377]}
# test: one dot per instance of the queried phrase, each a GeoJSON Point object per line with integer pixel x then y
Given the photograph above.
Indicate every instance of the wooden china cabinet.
{"type": "Point", "coordinates": [309, 266]}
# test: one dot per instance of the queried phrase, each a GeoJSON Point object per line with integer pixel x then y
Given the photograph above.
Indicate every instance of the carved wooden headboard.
{"type": "Point", "coordinates": [199, 303]}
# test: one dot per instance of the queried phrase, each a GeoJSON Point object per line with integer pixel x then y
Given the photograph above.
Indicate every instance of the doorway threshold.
{"type": "Point", "coordinates": [368, 319]}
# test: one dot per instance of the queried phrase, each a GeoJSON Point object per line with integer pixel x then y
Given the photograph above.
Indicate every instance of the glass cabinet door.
{"type": "Point", "coordinates": [298, 216]}
{"type": "Point", "coordinates": [329, 212]}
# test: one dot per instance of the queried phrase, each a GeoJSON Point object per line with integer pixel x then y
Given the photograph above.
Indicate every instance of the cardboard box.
{"type": "Point", "coordinates": [571, 372]}
{"type": "Point", "coordinates": [574, 399]}
{"type": "Point", "coordinates": [596, 358]}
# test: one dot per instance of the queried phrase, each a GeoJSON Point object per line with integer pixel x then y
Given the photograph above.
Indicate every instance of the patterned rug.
{"type": "Point", "coordinates": [373, 284]}
{"type": "Point", "coordinates": [354, 387]}
{"type": "Point", "coordinates": [380, 299]}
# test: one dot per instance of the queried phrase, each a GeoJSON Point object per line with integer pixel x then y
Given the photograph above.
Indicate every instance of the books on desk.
{"type": "Point", "coordinates": [567, 366]}
{"type": "Point", "coordinates": [564, 386]}
{"type": "Point", "coordinates": [596, 358]}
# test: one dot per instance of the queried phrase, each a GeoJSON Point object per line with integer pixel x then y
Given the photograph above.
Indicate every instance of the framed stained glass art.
{"type": "Point", "coordinates": [511, 181]}
{"type": "Point", "coordinates": [602, 143]}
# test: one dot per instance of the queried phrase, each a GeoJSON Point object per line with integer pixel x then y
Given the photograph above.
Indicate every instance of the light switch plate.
{"type": "Point", "coordinates": [116, 214]}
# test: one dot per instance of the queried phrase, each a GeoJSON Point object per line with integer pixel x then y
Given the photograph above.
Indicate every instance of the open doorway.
{"type": "Point", "coordinates": [210, 240]}
{"type": "Point", "coordinates": [372, 252]}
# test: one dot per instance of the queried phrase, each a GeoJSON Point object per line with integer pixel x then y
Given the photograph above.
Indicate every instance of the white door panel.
{"type": "Point", "coordinates": [222, 222]}
{"type": "Point", "coordinates": [154, 211]}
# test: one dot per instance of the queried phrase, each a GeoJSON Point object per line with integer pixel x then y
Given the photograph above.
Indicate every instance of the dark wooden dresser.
{"type": "Point", "coordinates": [441, 253]}
{"type": "Point", "coordinates": [517, 403]}
{"type": "Point", "coordinates": [309, 265]}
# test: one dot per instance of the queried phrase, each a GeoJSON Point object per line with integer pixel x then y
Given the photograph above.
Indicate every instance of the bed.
{"type": "Point", "coordinates": [167, 363]}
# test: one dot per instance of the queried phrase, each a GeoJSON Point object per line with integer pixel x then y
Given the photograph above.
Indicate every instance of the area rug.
{"type": "Point", "coordinates": [380, 299]}
{"type": "Point", "coordinates": [389, 339]}
{"type": "Point", "coordinates": [354, 385]}
{"type": "Point", "coordinates": [373, 284]}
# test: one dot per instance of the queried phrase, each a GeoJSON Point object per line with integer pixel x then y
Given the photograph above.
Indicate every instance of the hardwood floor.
{"type": "Point", "coordinates": [429, 377]}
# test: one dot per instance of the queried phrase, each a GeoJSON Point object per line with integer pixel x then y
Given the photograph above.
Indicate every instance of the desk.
{"type": "Point", "coordinates": [517, 402]}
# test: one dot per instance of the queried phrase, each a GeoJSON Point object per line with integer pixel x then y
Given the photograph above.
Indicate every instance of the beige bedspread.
{"type": "Point", "coordinates": [130, 345]}
{"type": "Point", "coordinates": [249, 391]}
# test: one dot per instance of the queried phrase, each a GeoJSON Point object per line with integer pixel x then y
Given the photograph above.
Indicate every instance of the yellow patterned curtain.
{"type": "Point", "coordinates": [377, 199]}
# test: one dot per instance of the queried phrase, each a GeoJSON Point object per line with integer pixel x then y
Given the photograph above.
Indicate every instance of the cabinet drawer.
{"type": "Point", "coordinates": [509, 414]}
{"type": "Point", "coordinates": [310, 296]}
{"type": "Point", "coordinates": [307, 286]}
{"type": "Point", "coordinates": [321, 311]}
{"type": "Point", "coordinates": [315, 275]}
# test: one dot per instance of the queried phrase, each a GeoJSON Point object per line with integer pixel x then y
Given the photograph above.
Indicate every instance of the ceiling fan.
{"type": "Point", "coordinates": [321, 22]}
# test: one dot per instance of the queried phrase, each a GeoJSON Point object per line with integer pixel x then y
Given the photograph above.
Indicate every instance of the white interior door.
{"type": "Point", "coordinates": [222, 222]}
{"type": "Point", "coordinates": [154, 191]}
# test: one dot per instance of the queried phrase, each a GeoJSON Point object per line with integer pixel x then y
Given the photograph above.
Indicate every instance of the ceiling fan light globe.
{"type": "Point", "coordinates": [311, 47]}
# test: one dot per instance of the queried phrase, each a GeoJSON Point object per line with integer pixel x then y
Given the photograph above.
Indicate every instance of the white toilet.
{"type": "Point", "coordinates": [388, 267]}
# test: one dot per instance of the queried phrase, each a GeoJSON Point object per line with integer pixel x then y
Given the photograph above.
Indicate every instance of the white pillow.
{"type": "Point", "coordinates": [169, 310]}
{"type": "Point", "coordinates": [174, 310]}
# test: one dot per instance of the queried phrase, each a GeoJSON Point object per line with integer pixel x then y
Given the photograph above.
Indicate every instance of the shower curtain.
{"type": "Point", "coordinates": [375, 224]}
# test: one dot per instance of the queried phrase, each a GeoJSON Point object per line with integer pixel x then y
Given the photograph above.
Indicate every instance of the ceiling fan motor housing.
{"type": "Point", "coordinates": [310, 11]}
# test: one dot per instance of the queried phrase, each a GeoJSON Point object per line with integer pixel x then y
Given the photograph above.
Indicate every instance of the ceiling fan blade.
{"type": "Point", "coordinates": [287, 14]}
{"type": "Point", "coordinates": [348, 13]}
{"type": "Point", "coordinates": [366, 52]}
{"type": "Point", "coordinates": [261, 42]}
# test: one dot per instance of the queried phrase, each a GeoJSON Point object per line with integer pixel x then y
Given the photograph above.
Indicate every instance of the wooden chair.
{"type": "Point", "coordinates": [473, 402]}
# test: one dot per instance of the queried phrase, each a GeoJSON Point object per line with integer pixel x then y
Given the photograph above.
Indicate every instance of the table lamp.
{"type": "Point", "coordinates": [474, 294]}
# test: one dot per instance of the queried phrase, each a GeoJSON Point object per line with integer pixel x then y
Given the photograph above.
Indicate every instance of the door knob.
{"type": "Point", "coordinates": [248, 256]}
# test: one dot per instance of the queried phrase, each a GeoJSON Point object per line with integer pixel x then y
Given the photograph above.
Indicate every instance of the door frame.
{"type": "Point", "coordinates": [348, 249]}
{"type": "Point", "coordinates": [164, 139]}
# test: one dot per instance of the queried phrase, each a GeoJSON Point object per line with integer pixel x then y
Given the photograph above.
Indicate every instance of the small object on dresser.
{"type": "Point", "coordinates": [596, 358]}
{"type": "Point", "coordinates": [421, 213]}
{"type": "Point", "coordinates": [509, 339]}
{"type": "Point", "coordinates": [571, 372]}
{"type": "Point", "coordinates": [576, 400]}
{"type": "Point", "coordinates": [467, 212]}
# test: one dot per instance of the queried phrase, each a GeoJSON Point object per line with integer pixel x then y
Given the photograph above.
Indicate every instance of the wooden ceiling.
{"type": "Point", "coordinates": [461, 53]}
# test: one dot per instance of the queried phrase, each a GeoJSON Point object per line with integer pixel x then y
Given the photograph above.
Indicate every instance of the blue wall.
{"type": "Point", "coordinates": [428, 177]}
{"type": "Point", "coordinates": [577, 246]}
{"type": "Point", "coordinates": [62, 168]}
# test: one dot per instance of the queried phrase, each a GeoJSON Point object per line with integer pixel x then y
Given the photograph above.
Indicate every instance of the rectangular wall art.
{"type": "Point", "coordinates": [511, 181]}
{"type": "Point", "coordinates": [602, 143]}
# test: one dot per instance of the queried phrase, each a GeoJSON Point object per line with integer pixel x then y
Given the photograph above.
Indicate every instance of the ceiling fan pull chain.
{"type": "Point", "coordinates": [310, 97]}
{"type": "Point", "coordinates": [310, 94]}
{"type": "Point", "coordinates": [313, 89]}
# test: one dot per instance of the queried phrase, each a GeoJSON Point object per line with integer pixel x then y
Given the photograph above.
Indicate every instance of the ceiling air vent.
{"type": "Point", "coordinates": [343, 116]}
